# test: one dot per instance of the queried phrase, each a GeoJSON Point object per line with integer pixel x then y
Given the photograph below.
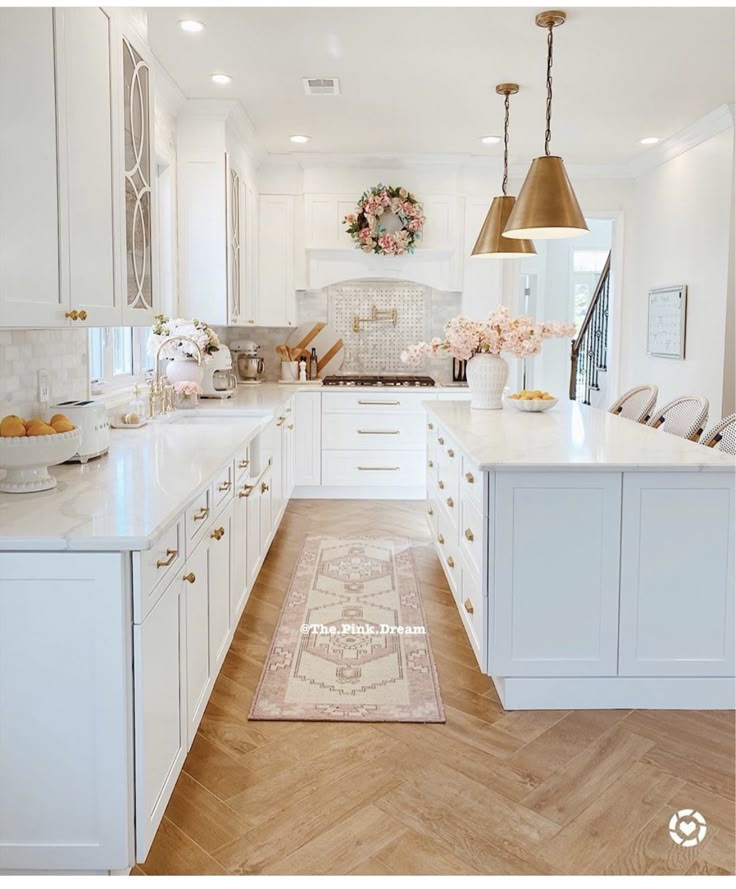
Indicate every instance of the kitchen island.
{"type": "Point", "coordinates": [592, 558]}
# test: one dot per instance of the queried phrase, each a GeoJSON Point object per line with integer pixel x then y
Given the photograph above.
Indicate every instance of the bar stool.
{"type": "Point", "coordinates": [722, 436]}
{"type": "Point", "coordinates": [637, 404]}
{"type": "Point", "coordinates": [684, 416]}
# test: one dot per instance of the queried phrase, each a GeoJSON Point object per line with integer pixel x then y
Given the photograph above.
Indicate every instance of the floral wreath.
{"type": "Point", "coordinates": [365, 228]}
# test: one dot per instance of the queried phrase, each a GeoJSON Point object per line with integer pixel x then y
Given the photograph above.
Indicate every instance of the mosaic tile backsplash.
{"type": "Point", "coordinates": [63, 353]}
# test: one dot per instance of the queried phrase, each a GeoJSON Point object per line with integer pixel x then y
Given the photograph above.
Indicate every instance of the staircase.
{"type": "Point", "coordinates": [589, 353]}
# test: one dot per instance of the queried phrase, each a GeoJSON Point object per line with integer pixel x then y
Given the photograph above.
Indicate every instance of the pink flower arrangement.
{"type": "Point", "coordinates": [521, 337]}
{"type": "Point", "coordinates": [370, 236]}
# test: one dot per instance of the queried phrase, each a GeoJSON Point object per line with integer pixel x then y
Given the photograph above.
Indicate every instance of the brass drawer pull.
{"type": "Point", "coordinates": [379, 468]}
{"type": "Point", "coordinates": [430, 511]}
{"type": "Point", "coordinates": [244, 464]}
{"type": "Point", "coordinates": [441, 485]}
{"type": "Point", "coordinates": [246, 491]}
{"type": "Point", "coordinates": [202, 514]}
{"type": "Point", "coordinates": [218, 533]}
{"type": "Point", "coordinates": [74, 315]}
{"type": "Point", "coordinates": [430, 463]}
{"type": "Point", "coordinates": [469, 478]}
{"type": "Point", "coordinates": [225, 486]}
{"type": "Point", "coordinates": [378, 402]}
{"type": "Point", "coordinates": [264, 487]}
{"type": "Point", "coordinates": [469, 534]}
{"type": "Point", "coordinates": [164, 563]}
{"type": "Point", "coordinates": [450, 562]}
{"type": "Point", "coordinates": [378, 432]}
{"type": "Point", "coordinates": [440, 539]}
{"type": "Point", "coordinates": [190, 578]}
{"type": "Point", "coordinates": [280, 421]}
{"type": "Point", "coordinates": [441, 440]}
{"type": "Point", "coordinates": [468, 605]}
{"type": "Point", "coordinates": [450, 502]}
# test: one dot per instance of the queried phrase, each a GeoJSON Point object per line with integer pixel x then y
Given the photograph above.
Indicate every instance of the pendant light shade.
{"type": "Point", "coordinates": [547, 206]}
{"type": "Point", "coordinates": [491, 241]}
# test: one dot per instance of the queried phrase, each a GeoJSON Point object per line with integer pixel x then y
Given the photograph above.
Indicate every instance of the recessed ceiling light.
{"type": "Point", "coordinates": [650, 140]}
{"type": "Point", "coordinates": [490, 140]}
{"type": "Point", "coordinates": [221, 79]}
{"type": "Point", "coordinates": [299, 139]}
{"type": "Point", "coordinates": [191, 26]}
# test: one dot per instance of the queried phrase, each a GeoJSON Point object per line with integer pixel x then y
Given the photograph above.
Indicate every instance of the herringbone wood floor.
{"type": "Point", "coordinates": [490, 792]}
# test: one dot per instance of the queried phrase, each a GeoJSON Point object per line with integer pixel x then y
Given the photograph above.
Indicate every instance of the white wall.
{"type": "Point", "coordinates": [682, 233]}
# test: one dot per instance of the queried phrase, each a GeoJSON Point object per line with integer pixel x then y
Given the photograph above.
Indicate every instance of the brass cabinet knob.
{"type": "Point", "coordinates": [190, 578]}
{"type": "Point", "coordinates": [469, 478]}
{"type": "Point", "coordinates": [450, 502]}
{"type": "Point", "coordinates": [440, 538]}
{"type": "Point", "coordinates": [441, 440]}
{"type": "Point", "coordinates": [290, 426]}
{"type": "Point", "coordinates": [430, 463]}
{"type": "Point", "coordinates": [264, 487]}
{"type": "Point", "coordinates": [450, 562]}
{"type": "Point", "coordinates": [441, 485]}
{"type": "Point", "coordinates": [225, 486]}
{"type": "Point", "coordinates": [430, 425]}
{"type": "Point", "coordinates": [469, 534]}
{"type": "Point", "coordinates": [82, 315]}
{"type": "Point", "coordinates": [202, 514]}
{"type": "Point", "coordinates": [243, 464]}
{"type": "Point", "coordinates": [251, 320]}
{"type": "Point", "coordinates": [450, 452]}
{"type": "Point", "coordinates": [74, 315]}
{"type": "Point", "coordinates": [171, 555]}
{"type": "Point", "coordinates": [430, 511]}
{"type": "Point", "coordinates": [246, 491]}
{"type": "Point", "coordinates": [218, 533]}
{"type": "Point", "coordinates": [468, 605]}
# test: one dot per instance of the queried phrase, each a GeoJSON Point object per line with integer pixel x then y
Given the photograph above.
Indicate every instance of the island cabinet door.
{"type": "Point", "coordinates": [66, 782]}
{"type": "Point", "coordinates": [197, 641]}
{"type": "Point", "coordinates": [556, 574]}
{"type": "Point", "coordinates": [160, 731]}
{"type": "Point", "coordinates": [677, 575]}
{"type": "Point", "coordinates": [219, 587]}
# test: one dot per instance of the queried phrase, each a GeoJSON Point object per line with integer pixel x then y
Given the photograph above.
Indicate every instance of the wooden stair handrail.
{"type": "Point", "coordinates": [576, 343]}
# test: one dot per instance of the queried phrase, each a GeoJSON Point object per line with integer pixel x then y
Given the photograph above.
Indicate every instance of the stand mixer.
{"type": "Point", "coordinates": [248, 362]}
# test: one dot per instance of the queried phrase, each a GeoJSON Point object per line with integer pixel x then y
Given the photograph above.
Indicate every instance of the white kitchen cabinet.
{"type": "Point", "coordinates": [66, 717]}
{"type": "Point", "coordinates": [239, 575]}
{"type": "Point", "coordinates": [677, 539]}
{"type": "Point", "coordinates": [29, 212]}
{"type": "Point", "coordinates": [218, 579]}
{"type": "Point", "coordinates": [253, 541]}
{"type": "Point", "coordinates": [308, 438]}
{"type": "Point", "coordinates": [196, 645]}
{"type": "Point", "coordinates": [249, 250]}
{"type": "Point", "coordinates": [160, 716]}
{"type": "Point", "coordinates": [557, 546]}
{"type": "Point", "coordinates": [90, 204]}
{"type": "Point", "coordinates": [265, 499]}
{"type": "Point", "coordinates": [276, 301]}
{"type": "Point", "coordinates": [288, 449]}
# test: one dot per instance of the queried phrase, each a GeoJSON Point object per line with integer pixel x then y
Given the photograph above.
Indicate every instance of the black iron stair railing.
{"type": "Point", "coordinates": [589, 353]}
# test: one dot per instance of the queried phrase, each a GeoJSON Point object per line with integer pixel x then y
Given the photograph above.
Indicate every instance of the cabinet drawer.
{"type": "Point", "coordinates": [446, 490]}
{"type": "Point", "coordinates": [154, 566]}
{"type": "Point", "coordinates": [471, 534]}
{"type": "Point", "coordinates": [241, 466]}
{"type": "Point", "coordinates": [366, 403]}
{"type": "Point", "coordinates": [198, 518]}
{"type": "Point", "coordinates": [222, 488]}
{"type": "Point", "coordinates": [449, 555]}
{"type": "Point", "coordinates": [471, 483]}
{"type": "Point", "coordinates": [373, 432]}
{"type": "Point", "coordinates": [373, 468]}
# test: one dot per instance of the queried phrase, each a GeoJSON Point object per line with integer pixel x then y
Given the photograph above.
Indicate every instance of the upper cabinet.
{"type": "Point", "coordinates": [76, 199]}
{"type": "Point", "coordinates": [217, 226]}
{"type": "Point", "coordinates": [276, 303]}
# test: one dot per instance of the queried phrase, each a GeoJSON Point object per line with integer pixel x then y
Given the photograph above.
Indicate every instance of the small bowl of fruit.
{"type": "Point", "coordinates": [29, 447]}
{"type": "Point", "coordinates": [534, 400]}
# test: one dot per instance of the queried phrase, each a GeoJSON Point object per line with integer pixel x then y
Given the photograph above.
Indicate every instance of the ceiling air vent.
{"type": "Point", "coordinates": [321, 86]}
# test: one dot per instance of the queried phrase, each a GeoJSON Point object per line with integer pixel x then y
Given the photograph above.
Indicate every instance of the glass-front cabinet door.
{"type": "Point", "coordinates": [234, 236]}
{"type": "Point", "coordinates": [140, 261]}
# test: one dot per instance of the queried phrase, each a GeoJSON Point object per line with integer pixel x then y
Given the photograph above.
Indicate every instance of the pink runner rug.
{"type": "Point", "coordinates": [351, 644]}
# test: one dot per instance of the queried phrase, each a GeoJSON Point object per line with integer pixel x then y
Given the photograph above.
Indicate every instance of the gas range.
{"type": "Point", "coordinates": [393, 380]}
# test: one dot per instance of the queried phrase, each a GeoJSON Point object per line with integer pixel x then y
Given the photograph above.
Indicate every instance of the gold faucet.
{"type": "Point", "coordinates": [156, 387]}
{"type": "Point", "coordinates": [377, 314]}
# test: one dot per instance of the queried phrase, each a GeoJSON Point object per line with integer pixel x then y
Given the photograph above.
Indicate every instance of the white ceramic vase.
{"type": "Point", "coordinates": [185, 370]}
{"type": "Point", "coordinates": [487, 375]}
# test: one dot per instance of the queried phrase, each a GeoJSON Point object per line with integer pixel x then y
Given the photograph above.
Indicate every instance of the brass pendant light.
{"type": "Point", "coordinates": [547, 206]}
{"type": "Point", "coordinates": [491, 241]}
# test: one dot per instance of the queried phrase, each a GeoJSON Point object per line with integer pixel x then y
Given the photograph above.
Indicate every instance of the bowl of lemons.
{"type": "Point", "coordinates": [29, 447]}
{"type": "Point", "coordinates": [534, 400]}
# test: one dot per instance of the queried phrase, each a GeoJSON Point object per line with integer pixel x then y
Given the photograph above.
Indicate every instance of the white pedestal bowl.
{"type": "Point", "coordinates": [26, 460]}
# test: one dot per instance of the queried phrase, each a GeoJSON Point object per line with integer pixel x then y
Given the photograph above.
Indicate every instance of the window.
{"type": "Point", "coordinates": [118, 355]}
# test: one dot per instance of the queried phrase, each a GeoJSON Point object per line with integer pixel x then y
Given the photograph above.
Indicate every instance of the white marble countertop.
{"type": "Point", "coordinates": [569, 436]}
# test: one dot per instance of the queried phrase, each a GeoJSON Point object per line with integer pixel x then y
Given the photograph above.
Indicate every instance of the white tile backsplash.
{"type": "Point", "coordinates": [63, 353]}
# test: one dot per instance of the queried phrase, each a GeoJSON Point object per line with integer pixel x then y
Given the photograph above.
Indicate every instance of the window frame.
{"type": "Point", "coordinates": [140, 361]}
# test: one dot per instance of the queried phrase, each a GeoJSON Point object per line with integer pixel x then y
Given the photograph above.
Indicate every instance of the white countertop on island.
{"type": "Point", "coordinates": [569, 436]}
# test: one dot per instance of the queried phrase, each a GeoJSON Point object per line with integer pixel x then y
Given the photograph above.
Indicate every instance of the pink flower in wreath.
{"type": "Point", "coordinates": [414, 225]}
{"type": "Point", "coordinates": [403, 193]}
{"type": "Point", "coordinates": [350, 218]}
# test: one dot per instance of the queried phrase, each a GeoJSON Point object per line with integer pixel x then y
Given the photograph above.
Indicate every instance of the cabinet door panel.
{"type": "Point", "coordinates": [239, 553]}
{"type": "Point", "coordinates": [557, 544]}
{"type": "Point", "coordinates": [308, 453]}
{"type": "Point", "coordinates": [218, 572]}
{"type": "Point", "coordinates": [160, 743]}
{"type": "Point", "coordinates": [197, 638]}
{"type": "Point", "coordinates": [29, 212]}
{"type": "Point", "coordinates": [677, 575]}
{"type": "Point", "coordinates": [253, 543]}
{"type": "Point", "coordinates": [276, 304]}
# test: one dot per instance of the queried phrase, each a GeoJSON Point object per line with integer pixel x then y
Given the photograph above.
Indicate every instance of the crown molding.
{"type": "Point", "coordinates": [708, 126]}
{"type": "Point", "coordinates": [232, 113]}
{"type": "Point", "coordinates": [166, 90]}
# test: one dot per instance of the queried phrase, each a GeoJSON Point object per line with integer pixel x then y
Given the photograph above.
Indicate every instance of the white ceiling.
{"type": "Point", "coordinates": [421, 80]}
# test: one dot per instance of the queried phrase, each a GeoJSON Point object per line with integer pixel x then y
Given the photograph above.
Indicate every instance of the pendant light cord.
{"type": "Point", "coordinates": [506, 104]}
{"type": "Point", "coordinates": [548, 130]}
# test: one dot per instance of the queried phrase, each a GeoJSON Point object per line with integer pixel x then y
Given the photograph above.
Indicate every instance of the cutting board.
{"type": "Point", "coordinates": [320, 336]}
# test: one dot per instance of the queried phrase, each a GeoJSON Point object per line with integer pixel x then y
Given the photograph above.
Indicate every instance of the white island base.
{"type": "Point", "coordinates": [592, 559]}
